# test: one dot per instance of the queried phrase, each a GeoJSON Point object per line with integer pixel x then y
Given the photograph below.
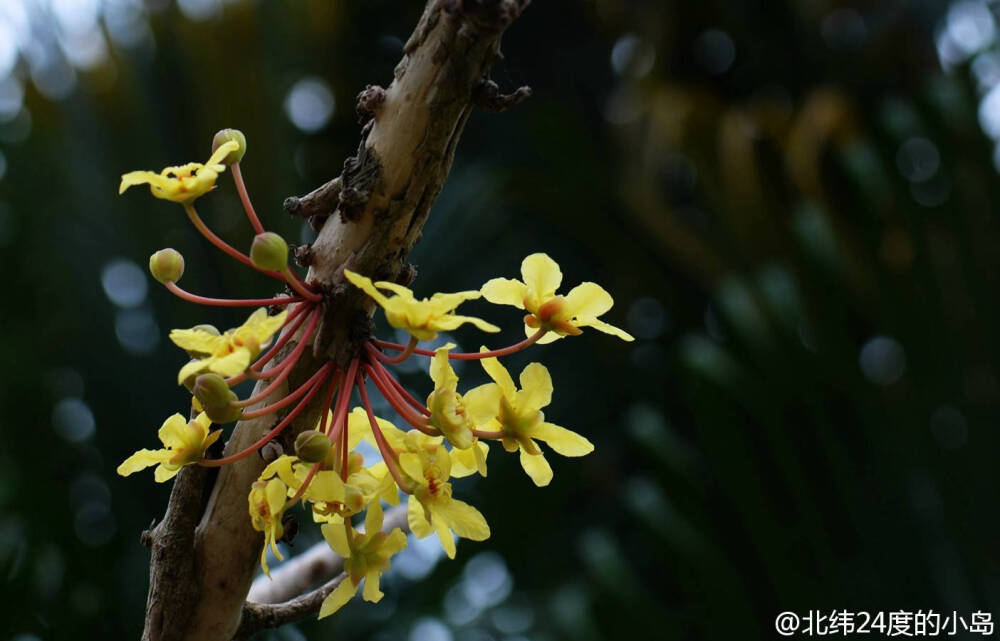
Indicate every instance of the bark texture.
{"type": "Point", "coordinates": [374, 213]}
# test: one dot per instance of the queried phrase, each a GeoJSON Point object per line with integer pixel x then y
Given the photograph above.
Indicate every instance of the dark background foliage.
{"type": "Point", "coordinates": [793, 204]}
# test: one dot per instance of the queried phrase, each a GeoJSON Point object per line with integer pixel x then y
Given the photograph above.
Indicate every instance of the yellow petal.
{"type": "Point", "coordinates": [416, 519]}
{"type": "Point", "coordinates": [373, 519]}
{"type": "Point", "coordinates": [165, 472]}
{"type": "Point", "coordinates": [607, 328]}
{"type": "Point", "coordinates": [336, 599]}
{"type": "Point", "coordinates": [196, 340]}
{"type": "Point", "coordinates": [336, 537]}
{"type": "Point", "coordinates": [232, 364]}
{"type": "Point", "coordinates": [192, 368]}
{"type": "Point", "coordinates": [469, 461]}
{"type": "Point", "coordinates": [172, 432]}
{"type": "Point", "coordinates": [537, 468]}
{"type": "Point", "coordinates": [464, 520]}
{"type": "Point", "coordinates": [222, 152]}
{"type": "Point", "coordinates": [141, 460]}
{"type": "Point", "coordinates": [499, 374]}
{"type": "Point", "coordinates": [542, 276]}
{"type": "Point", "coordinates": [441, 371]}
{"type": "Point", "coordinates": [587, 300]}
{"type": "Point", "coordinates": [536, 388]}
{"type": "Point", "coordinates": [452, 321]}
{"type": "Point", "coordinates": [411, 465]}
{"type": "Point", "coordinates": [562, 440]}
{"type": "Point", "coordinates": [444, 534]}
{"type": "Point", "coordinates": [482, 404]}
{"type": "Point", "coordinates": [326, 486]}
{"type": "Point", "coordinates": [275, 493]}
{"type": "Point", "coordinates": [366, 285]}
{"type": "Point", "coordinates": [444, 303]}
{"type": "Point", "coordinates": [397, 289]}
{"type": "Point", "coordinates": [371, 591]}
{"type": "Point", "coordinates": [133, 178]}
{"type": "Point", "coordinates": [505, 291]}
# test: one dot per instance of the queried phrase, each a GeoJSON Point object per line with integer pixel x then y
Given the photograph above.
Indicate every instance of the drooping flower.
{"type": "Point", "coordinates": [366, 556]}
{"type": "Point", "coordinates": [267, 506]}
{"type": "Point", "coordinates": [431, 508]}
{"type": "Point", "coordinates": [559, 315]}
{"type": "Point", "coordinates": [227, 354]}
{"type": "Point", "coordinates": [184, 443]}
{"type": "Point", "coordinates": [424, 318]}
{"type": "Point", "coordinates": [447, 409]}
{"type": "Point", "coordinates": [517, 414]}
{"type": "Point", "coordinates": [184, 183]}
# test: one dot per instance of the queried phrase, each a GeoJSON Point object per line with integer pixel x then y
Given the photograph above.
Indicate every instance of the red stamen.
{"type": "Point", "coordinates": [229, 302]}
{"type": "Point", "coordinates": [286, 401]}
{"type": "Point", "coordinates": [399, 405]}
{"type": "Point", "coordinates": [405, 354]}
{"type": "Point", "coordinates": [387, 376]}
{"type": "Point", "coordinates": [241, 188]}
{"type": "Point", "coordinates": [388, 454]}
{"type": "Point", "coordinates": [223, 245]}
{"type": "Point", "coordinates": [285, 367]}
{"type": "Point", "coordinates": [275, 431]}
{"type": "Point", "coordinates": [470, 356]}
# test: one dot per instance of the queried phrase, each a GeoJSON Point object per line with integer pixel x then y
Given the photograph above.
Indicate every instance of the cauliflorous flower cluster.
{"type": "Point", "coordinates": [445, 437]}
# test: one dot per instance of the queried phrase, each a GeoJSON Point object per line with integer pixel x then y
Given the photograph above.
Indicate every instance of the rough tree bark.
{"type": "Point", "coordinates": [374, 213]}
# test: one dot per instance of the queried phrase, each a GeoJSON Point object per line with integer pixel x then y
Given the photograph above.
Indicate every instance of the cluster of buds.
{"type": "Point", "coordinates": [445, 437]}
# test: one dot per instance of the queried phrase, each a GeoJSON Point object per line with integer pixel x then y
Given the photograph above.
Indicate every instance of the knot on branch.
{"type": "Point", "coordinates": [369, 102]}
{"type": "Point", "coordinates": [486, 15]}
{"type": "Point", "coordinates": [487, 96]}
{"type": "Point", "coordinates": [317, 205]}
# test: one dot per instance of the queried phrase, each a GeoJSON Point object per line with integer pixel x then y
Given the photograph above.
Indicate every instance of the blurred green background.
{"type": "Point", "coordinates": [794, 204]}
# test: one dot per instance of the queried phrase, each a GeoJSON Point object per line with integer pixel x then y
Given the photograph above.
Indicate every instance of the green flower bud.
{"type": "Point", "coordinates": [167, 265]}
{"type": "Point", "coordinates": [312, 446]}
{"type": "Point", "coordinates": [225, 136]}
{"type": "Point", "coordinates": [211, 390]}
{"type": "Point", "coordinates": [269, 251]}
{"type": "Point", "coordinates": [225, 414]}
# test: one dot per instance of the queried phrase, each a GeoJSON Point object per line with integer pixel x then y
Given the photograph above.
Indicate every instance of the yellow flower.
{"type": "Point", "coordinates": [423, 319]}
{"type": "Point", "coordinates": [326, 485]}
{"type": "Point", "coordinates": [267, 505]}
{"type": "Point", "coordinates": [559, 315]}
{"type": "Point", "coordinates": [228, 354]}
{"type": "Point", "coordinates": [431, 507]}
{"type": "Point", "coordinates": [184, 443]}
{"type": "Point", "coordinates": [366, 556]}
{"type": "Point", "coordinates": [501, 407]}
{"type": "Point", "coordinates": [185, 183]}
{"type": "Point", "coordinates": [448, 413]}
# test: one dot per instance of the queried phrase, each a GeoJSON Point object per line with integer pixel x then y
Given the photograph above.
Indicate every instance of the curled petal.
{"type": "Point", "coordinates": [505, 291]}
{"type": "Point", "coordinates": [499, 374]}
{"type": "Point", "coordinates": [607, 328]}
{"type": "Point", "coordinates": [537, 468]}
{"type": "Point", "coordinates": [141, 460]}
{"type": "Point", "coordinates": [336, 599]}
{"type": "Point", "coordinates": [562, 440]}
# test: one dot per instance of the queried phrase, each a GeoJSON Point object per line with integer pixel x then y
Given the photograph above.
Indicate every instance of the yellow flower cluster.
{"type": "Point", "coordinates": [450, 431]}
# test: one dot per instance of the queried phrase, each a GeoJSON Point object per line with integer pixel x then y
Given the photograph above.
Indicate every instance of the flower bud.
{"type": "Point", "coordinates": [212, 391]}
{"type": "Point", "coordinates": [227, 135]}
{"type": "Point", "coordinates": [312, 446]}
{"type": "Point", "coordinates": [226, 413]}
{"type": "Point", "coordinates": [269, 251]}
{"type": "Point", "coordinates": [167, 265]}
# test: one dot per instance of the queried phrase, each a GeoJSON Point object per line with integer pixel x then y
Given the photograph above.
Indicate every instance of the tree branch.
{"type": "Point", "coordinates": [386, 192]}
{"type": "Point", "coordinates": [284, 598]}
